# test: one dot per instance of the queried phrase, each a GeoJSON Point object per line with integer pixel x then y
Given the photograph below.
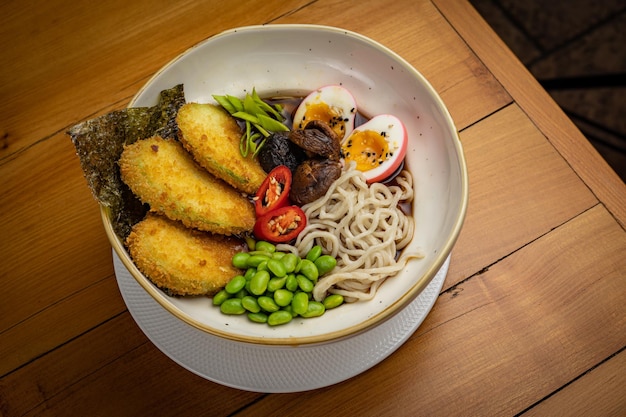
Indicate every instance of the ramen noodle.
{"type": "Point", "coordinates": [365, 228]}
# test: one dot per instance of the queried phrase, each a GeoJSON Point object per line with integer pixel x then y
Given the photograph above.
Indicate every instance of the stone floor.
{"type": "Point", "coordinates": [577, 50]}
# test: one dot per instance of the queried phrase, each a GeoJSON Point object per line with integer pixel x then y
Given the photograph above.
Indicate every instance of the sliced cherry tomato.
{"type": "Point", "coordinates": [280, 225]}
{"type": "Point", "coordinates": [274, 191]}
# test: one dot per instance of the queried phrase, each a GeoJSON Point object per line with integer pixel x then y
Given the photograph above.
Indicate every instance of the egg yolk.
{"type": "Point", "coordinates": [367, 148]}
{"type": "Point", "coordinates": [325, 113]}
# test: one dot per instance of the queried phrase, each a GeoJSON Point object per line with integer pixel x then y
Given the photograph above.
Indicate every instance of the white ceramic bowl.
{"type": "Point", "coordinates": [294, 60]}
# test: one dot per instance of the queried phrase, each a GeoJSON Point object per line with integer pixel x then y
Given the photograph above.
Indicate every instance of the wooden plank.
{"type": "Point", "coordinates": [587, 396]}
{"type": "Point", "coordinates": [426, 40]}
{"type": "Point", "coordinates": [538, 105]}
{"type": "Point", "coordinates": [113, 370]}
{"type": "Point", "coordinates": [63, 320]}
{"type": "Point", "coordinates": [503, 340]}
{"type": "Point", "coordinates": [506, 157]}
{"type": "Point", "coordinates": [74, 60]}
{"type": "Point", "coordinates": [58, 222]}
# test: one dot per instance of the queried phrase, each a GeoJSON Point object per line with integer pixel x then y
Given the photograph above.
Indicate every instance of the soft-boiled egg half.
{"type": "Point", "coordinates": [378, 147]}
{"type": "Point", "coordinates": [332, 104]}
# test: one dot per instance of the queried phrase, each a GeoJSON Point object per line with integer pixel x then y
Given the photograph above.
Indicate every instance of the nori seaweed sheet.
{"type": "Point", "coordinates": [99, 144]}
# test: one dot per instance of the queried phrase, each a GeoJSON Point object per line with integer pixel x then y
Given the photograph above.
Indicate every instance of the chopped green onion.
{"type": "Point", "coordinates": [271, 124]}
{"type": "Point", "coordinates": [260, 118]}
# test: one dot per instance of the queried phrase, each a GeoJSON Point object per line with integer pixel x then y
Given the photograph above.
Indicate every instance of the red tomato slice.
{"type": "Point", "coordinates": [280, 225]}
{"type": "Point", "coordinates": [274, 191]}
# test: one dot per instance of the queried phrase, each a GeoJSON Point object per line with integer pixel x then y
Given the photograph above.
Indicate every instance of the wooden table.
{"type": "Point", "coordinates": [531, 319]}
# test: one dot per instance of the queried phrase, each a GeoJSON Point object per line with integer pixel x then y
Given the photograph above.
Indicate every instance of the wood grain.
{"type": "Point", "coordinates": [478, 355]}
{"type": "Point", "coordinates": [508, 157]}
{"type": "Point", "coordinates": [91, 55]}
{"type": "Point", "coordinates": [587, 395]}
{"type": "Point", "coordinates": [531, 320]}
{"type": "Point", "coordinates": [540, 107]}
{"type": "Point", "coordinates": [113, 370]}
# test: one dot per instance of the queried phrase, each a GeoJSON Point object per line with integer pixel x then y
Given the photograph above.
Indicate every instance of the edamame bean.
{"type": "Point", "coordinates": [309, 270]}
{"type": "Point", "coordinates": [314, 253]}
{"type": "Point", "coordinates": [304, 283]}
{"type": "Point", "coordinates": [283, 297]}
{"type": "Point", "coordinates": [265, 246]}
{"type": "Point", "coordinates": [251, 304]}
{"type": "Point", "coordinates": [258, 317]}
{"type": "Point", "coordinates": [314, 309]}
{"type": "Point", "coordinates": [268, 304]}
{"type": "Point", "coordinates": [260, 252]}
{"type": "Point", "coordinates": [258, 283]}
{"type": "Point", "coordinates": [276, 286]}
{"type": "Point", "coordinates": [232, 306]}
{"type": "Point", "coordinates": [262, 267]}
{"type": "Point", "coordinates": [290, 260]}
{"type": "Point", "coordinates": [291, 283]}
{"type": "Point", "coordinates": [276, 283]}
{"type": "Point", "coordinates": [277, 268]}
{"type": "Point", "coordinates": [254, 260]}
{"type": "Point", "coordinates": [241, 293]}
{"type": "Point", "coordinates": [332, 301]}
{"type": "Point", "coordinates": [236, 284]}
{"type": "Point", "coordinates": [325, 264]}
{"type": "Point", "coordinates": [279, 317]}
{"type": "Point", "coordinates": [220, 297]}
{"type": "Point", "coordinates": [290, 310]}
{"type": "Point", "coordinates": [240, 260]}
{"type": "Point", "coordinates": [249, 273]}
{"type": "Point", "coordinates": [300, 302]}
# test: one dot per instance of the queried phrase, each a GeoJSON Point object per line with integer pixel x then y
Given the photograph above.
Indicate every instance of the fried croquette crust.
{"type": "Point", "coordinates": [180, 260]}
{"type": "Point", "coordinates": [212, 136]}
{"type": "Point", "coordinates": [165, 176]}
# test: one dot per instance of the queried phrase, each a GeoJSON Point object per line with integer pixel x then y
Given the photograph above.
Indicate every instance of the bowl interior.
{"type": "Point", "coordinates": [293, 60]}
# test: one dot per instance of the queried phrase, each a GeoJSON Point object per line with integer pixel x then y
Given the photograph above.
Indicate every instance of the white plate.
{"type": "Point", "coordinates": [272, 369]}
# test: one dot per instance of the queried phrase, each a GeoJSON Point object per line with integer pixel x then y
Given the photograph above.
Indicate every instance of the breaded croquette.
{"type": "Point", "coordinates": [180, 260]}
{"type": "Point", "coordinates": [165, 176]}
{"type": "Point", "coordinates": [212, 136]}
